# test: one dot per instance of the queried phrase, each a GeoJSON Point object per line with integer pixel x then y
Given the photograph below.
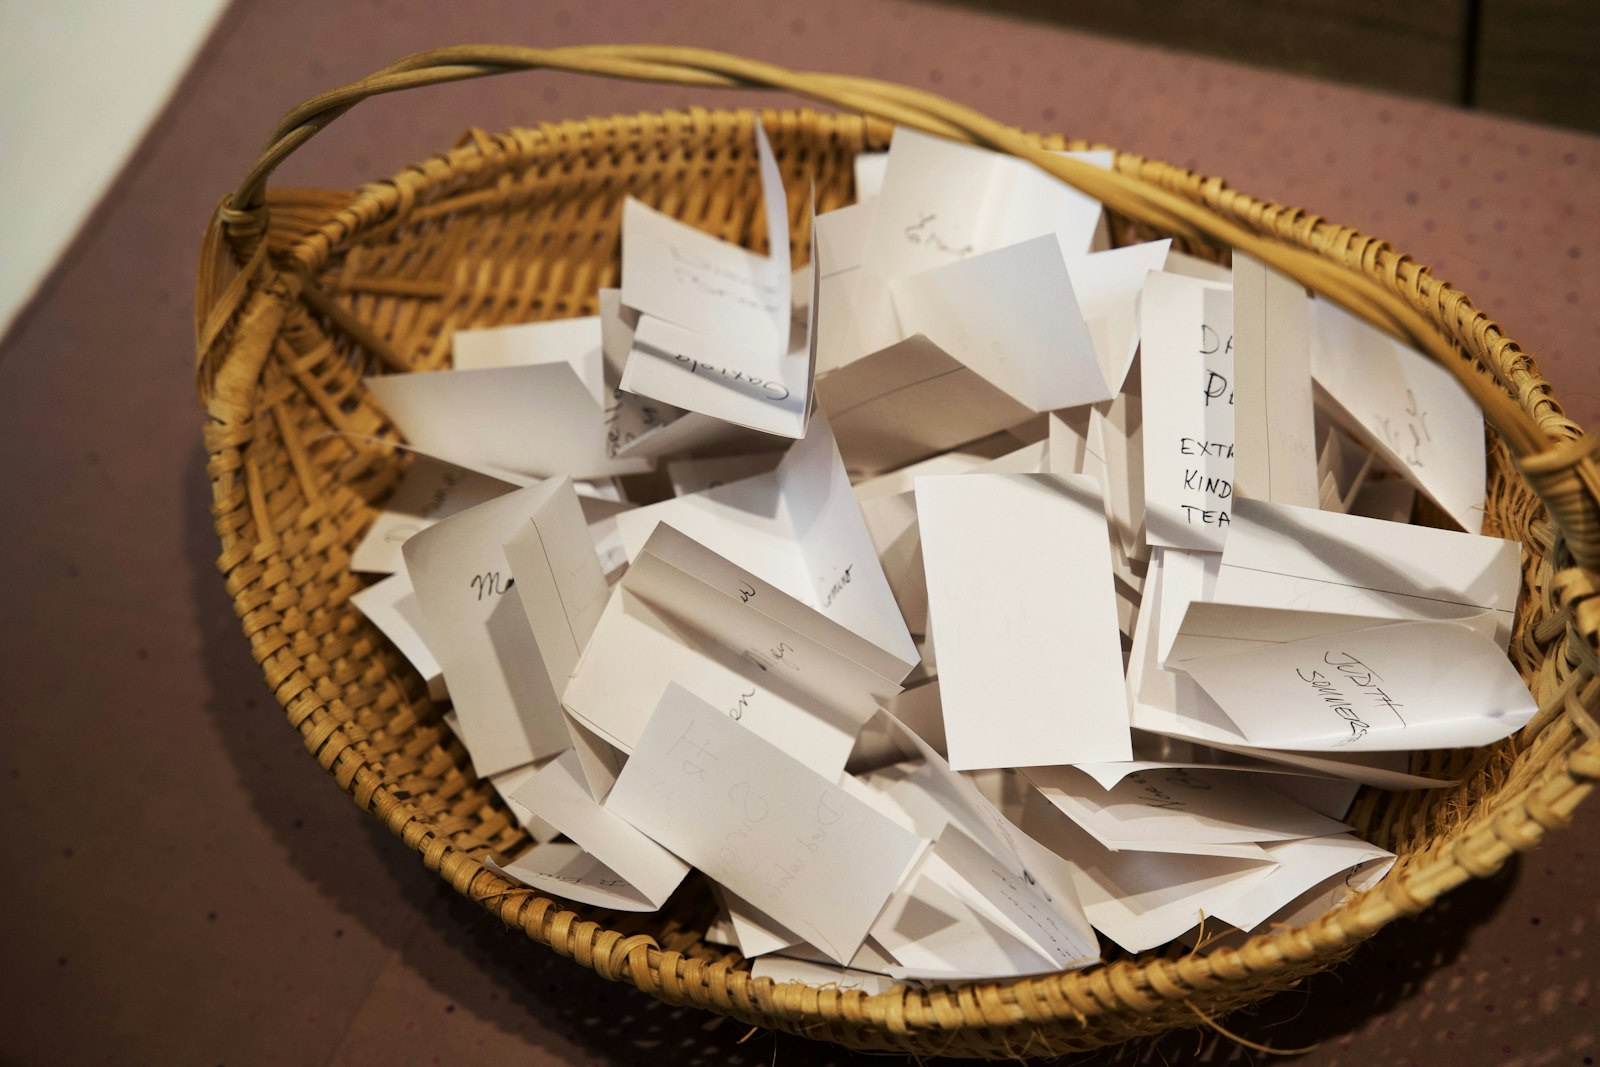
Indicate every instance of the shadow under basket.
{"type": "Point", "coordinates": [304, 292]}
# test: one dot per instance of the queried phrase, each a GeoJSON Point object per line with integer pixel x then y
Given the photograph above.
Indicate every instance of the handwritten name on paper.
{"type": "Point", "coordinates": [780, 655]}
{"type": "Point", "coordinates": [1032, 903]}
{"type": "Point", "coordinates": [441, 493]}
{"type": "Point", "coordinates": [1351, 690]}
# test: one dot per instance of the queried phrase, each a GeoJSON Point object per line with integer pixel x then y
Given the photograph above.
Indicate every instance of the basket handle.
{"type": "Point", "coordinates": [1564, 473]}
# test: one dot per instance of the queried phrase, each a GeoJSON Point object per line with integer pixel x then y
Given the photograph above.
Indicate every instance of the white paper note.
{"type": "Point", "coordinates": [1165, 702]}
{"type": "Point", "coordinates": [500, 683]}
{"type": "Point", "coordinates": [1116, 436]}
{"type": "Point", "coordinates": [941, 201]}
{"type": "Point", "coordinates": [840, 246]}
{"type": "Point", "coordinates": [761, 823]}
{"type": "Point", "coordinates": [986, 863]}
{"type": "Point", "coordinates": [718, 378]}
{"type": "Point", "coordinates": [910, 400]}
{"type": "Point", "coordinates": [507, 782]}
{"type": "Point", "coordinates": [676, 273]}
{"type": "Point", "coordinates": [1186, 577]}
{"type": "Point", "coordinates": [869, 168]}
{"type": "Point", "coordinates": [575, 342]}
{"type": "Point", "coordinates": [565, 870]}
{"type": "Point", "coordinates": [1301, 865]}
{"type": "Point", "coordinates": [561, 586]}
{"type": "Point", "coordinates": [892, 524]}
{"type": "Point", "coordinates": [1020, 595]}
{"type": "Point", "coordinates": [1186, 362]}
{"type": "Point", "coordinates": [1275, 446]}
{"type": "Point", "coordinates": [1172, 704]}
{"type": "Point", "coordinates": [1012, 316]}
{"type": "Point", "coordinates": [1213, 628]}
{"type": "Point", "coordinates": [391, 606]}
{"type": "Point", "coordinates": [697, 475]}
{"type": "Point", "coordinates": [963, 916]}
{"type": "Point", "coordinates": [1328, 894]}
{"type": "Point", "coordinates": [754, 932]}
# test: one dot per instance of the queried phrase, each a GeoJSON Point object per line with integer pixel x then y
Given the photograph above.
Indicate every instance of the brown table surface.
{"type": "Point", "coordinates": [186, 887]}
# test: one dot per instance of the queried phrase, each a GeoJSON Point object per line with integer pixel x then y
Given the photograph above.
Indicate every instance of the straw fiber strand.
{"type": "Point", "coordinates": [302, 293]}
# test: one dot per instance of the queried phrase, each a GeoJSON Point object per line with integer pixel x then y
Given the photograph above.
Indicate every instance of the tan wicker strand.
{"type": "Point", "coordinates": [524, 225]}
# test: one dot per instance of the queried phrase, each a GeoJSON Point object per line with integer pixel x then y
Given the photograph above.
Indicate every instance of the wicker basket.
{"type": "Point", "coordinates": [302, 292]}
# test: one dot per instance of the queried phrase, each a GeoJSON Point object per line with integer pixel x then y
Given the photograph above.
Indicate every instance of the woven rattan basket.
{"type": "Point", "coordinates": [303, 292]}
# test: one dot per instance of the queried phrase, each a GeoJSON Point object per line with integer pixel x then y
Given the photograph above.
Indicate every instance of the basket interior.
{"type": "Point", "coordinates": [523, 227]}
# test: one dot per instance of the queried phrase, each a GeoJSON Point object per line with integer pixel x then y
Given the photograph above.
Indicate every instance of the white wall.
{"type": "Point", "coordinates": [80, 82]}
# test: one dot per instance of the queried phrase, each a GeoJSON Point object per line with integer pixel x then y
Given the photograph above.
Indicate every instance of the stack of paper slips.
{"type": "Point", "coordinates": [970, 601]}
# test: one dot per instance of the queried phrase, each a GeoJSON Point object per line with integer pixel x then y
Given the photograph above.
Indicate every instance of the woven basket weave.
{"type": "Point", "coordinates": [303, 292]}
